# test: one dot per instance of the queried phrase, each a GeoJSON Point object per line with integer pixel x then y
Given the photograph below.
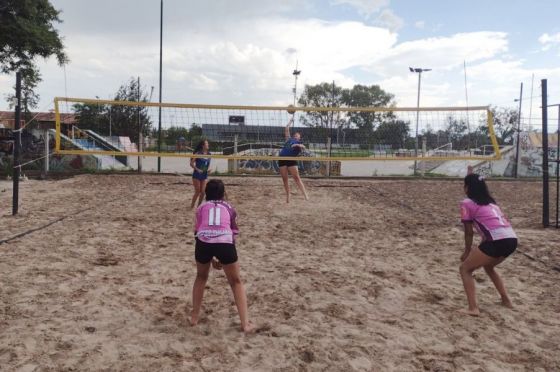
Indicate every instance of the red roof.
{"type": "Point", "coordinates": [7, 118]}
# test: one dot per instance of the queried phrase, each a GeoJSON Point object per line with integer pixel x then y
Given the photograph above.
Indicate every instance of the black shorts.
{"type": "Point", "coordinates": [287, 163]}
{"type": "Point", "coordinates": [224, 252]}
{"type": "Point", "coordinates": [498, 248]}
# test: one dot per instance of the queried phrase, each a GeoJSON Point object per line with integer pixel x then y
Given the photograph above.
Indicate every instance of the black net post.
{"type": "Point", "coordinates": [17, 144]}
{"type": "Point", "coordinates": [558, 167]}
{"type": "Point", "coordinates": [544, 93]}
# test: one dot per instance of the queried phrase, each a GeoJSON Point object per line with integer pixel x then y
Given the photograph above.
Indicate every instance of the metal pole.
{"type": "Point", "coordinates": [17, 144]}
{"type": "Point", "coordinates": [417, 121]}
{"type": "Point", "coordinates": [531, 102]}
{"type": "Point", "coordinates": [544, 92]}
{"type": "Point", "coordinates": [296, 74]}
{"type": "Point", "coordinates": [160, 69]}
{"type": "Point", "coordinates": [140, 139]}
{"type": "Point", "coordinates": [467, 103]}
{"type": "Point", "coordinates": [235, 162]}
{"type": "Point", "coordinates": [110, 121]}
{"type": "Point", "coordinates": [558, 167]}
{"type": "Point", "coordinates": [329, 140]}
{"type": "Point", "coordinates": [46, 137]}
{"type": "Point", "coordinates": [516, 173]}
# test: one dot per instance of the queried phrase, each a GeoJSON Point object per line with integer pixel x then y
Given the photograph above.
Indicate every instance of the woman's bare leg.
{"type": "Point", "coordinates": [202, 191]}
{"type": "Point", "coordinates": [196, 185]}
{"type": "Point", "coordinates": [202, 271]}
{"type": "Point", "coordinates": [475, 260]}
{"type": "Point", "coordinates": [284, 174]}
{"type": "Point", "coordinates": [234, 279]}
{"type": "Point", "coordinates": [295, 175]}
{"type": "Point", "coordinates": [498, 283]}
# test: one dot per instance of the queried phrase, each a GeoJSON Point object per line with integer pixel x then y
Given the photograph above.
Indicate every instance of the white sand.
{"type": "Point", "coordinates": [362, 278]}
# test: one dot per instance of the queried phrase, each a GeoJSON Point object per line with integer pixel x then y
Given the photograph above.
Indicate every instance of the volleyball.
{"type": "Point", "coordinates": [291, 111]}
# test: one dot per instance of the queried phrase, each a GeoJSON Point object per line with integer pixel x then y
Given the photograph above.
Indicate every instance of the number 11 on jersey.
{"type": "Point", "coordinates": [214, 217]}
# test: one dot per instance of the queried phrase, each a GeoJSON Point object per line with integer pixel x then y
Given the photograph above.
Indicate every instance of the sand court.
{"type": "Point", "coordinates": [363, 277]}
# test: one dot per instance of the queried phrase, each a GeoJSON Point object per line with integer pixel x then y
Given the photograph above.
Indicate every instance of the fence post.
{"type": "Point", "coordinates": [546, 206]}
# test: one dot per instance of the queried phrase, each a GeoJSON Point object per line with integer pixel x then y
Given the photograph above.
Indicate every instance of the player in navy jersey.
{"type": "Point", "coordinates": [200, 166]}
{"type": "Point", "coordinates": [292, 147]}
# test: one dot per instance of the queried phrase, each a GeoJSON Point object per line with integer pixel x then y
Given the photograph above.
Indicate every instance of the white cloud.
{"type": "Point", "coordinates": [251, 64]}
{"type": "Point", "coordinates": [420, 25]}
{"type": "Point", "coordinates": [248, 56]}
{"type": "Point", "coordinates": [441, 54]}
{"type": "Point", "coordinates": [365, 7]}
{"type": "Point", "coordinates": [549, 41]}
{"type": "Point", "coordinates": [390, 20]}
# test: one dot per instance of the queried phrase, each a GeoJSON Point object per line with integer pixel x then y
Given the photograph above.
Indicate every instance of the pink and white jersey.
{"type": "Point", "coordinates": [488, 220]}
{"type": "Point", "coordinates": [215, 222]}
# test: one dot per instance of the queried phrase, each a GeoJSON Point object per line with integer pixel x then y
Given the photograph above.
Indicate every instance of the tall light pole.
{"type": "Point", "coordinates": [419, 71]}
{"type": "Point", "coordinates": [296, 75]}
{"type": "Point", "coordinates": [160, 68]}
{"type": "Point", "coordinates": [516, 173]}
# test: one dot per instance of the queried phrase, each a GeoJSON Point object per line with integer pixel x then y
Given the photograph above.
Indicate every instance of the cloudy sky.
{"type": "Point", "coordinates": [244, 51]}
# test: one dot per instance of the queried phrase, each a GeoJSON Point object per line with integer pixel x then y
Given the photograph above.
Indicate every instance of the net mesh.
{"type": "Point", "coordinates": [258, 132]}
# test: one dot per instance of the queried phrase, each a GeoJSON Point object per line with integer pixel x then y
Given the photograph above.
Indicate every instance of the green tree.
{"type": "Point", "coordinates": [393, 132]}
{"type": "Point", "coordinates": [331, 95]}
{"type": "Point", "coordinates": [457, 133]}
{"type": "Point", "coordinates": [322, 95]}
{"type": "Point", "coordinates": [173, 133]}
{"type": "Point", "coordinates": [26, 32]}
{"type": "Point", "coordinates": [93, 116]}
{"type": "Point", "coordinates": [120, 120]}
{"type": "Point", "coordinates": [505, 123]}
{"type": "Point", "coordinates": [367, 96]}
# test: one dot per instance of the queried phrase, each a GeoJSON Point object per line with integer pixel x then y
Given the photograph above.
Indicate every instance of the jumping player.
{"type": "Point", "coordinates": [292, 147]}
{"type": "Point", "coordinates": [201, 170]}
{"type": "Point", "coordinates": [498, 239]}
{"type": "Point", "coordinates": [215, 230]}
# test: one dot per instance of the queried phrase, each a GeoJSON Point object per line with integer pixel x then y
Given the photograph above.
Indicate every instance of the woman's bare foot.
{"type": "Point", "coordinates": [507, 303]}
{"type": "Point", "coordinates": [470, 312]}
{"type": "Point", "coordinates": [193, 320]}
{"type": "Point", "coordinates": [249, 328]}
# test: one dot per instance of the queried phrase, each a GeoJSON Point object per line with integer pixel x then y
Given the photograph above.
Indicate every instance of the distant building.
{"type": "Point", "coordinates": [274, 134]}
{"type": "Point", "coordinates": [40, 120]}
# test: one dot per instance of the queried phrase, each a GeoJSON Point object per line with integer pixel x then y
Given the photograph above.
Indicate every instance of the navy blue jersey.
{"type": "Point", "coordinates": [202, 164]}
{"type": "Point", "coordinates": [288, 150]}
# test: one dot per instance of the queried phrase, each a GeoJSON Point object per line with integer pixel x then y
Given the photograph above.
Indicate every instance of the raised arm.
{"type": "Point", "coordinates": [287, 129]}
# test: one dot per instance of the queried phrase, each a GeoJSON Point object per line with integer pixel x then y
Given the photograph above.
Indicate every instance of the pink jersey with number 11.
{"type": "Point", "coordinates": [215, 222]}
{"type": "Point", "coordinates": [488, 220]}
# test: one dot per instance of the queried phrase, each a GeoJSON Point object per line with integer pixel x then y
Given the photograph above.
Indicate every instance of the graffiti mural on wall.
{"type": "Point", "coordinates": [33, 148]}
{"type": "Point", "coordinates": [271, 166]}
{"type": "Point", "coordinates": [62, 163]}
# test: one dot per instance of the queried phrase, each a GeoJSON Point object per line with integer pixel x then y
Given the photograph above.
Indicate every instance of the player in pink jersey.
{"type": "Point", "coordinates": [215, 230]}
{"type": "Point", "coordinates": [498, 239]}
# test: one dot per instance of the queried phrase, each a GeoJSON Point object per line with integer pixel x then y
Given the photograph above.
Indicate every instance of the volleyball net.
{"type": "Point", "coordinates": [125, 128]}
